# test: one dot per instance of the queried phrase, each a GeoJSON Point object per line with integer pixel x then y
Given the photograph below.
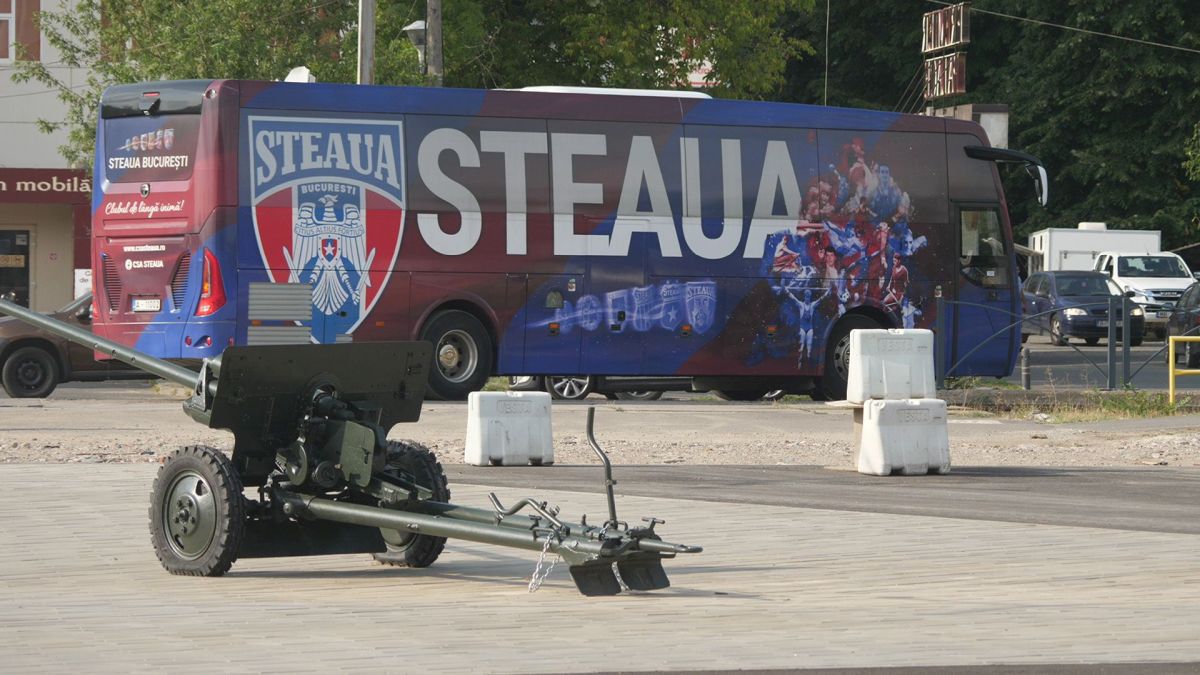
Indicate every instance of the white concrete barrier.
{"type": "Point", "coordinates": [508, 428]}
{"type": "Point", "coordinates": [893, 363]}
{"type": "Point", "coordinates": [906, 436]}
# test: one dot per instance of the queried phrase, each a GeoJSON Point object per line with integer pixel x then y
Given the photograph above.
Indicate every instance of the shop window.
{"type": "Point", "coordinates": [17, 27]}
{"type": "Point", "coordinates": [8, 32]}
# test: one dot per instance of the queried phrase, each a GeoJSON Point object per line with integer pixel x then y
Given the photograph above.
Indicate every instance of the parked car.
{"type": "Point", "coordinates": [1185, 320]}
{"type": "Point", "coordinates": [34, 361]}
{"type": "Point", "coordinates": [1156, 281]}
{"type": "Point", "coordinates": [1081, 300]}
{"type": "Point", "coordinates": [579, 387]}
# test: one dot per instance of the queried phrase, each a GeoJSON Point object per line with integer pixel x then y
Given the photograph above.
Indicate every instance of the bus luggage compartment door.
{"type": "Point", "coordinates": [557, 314]}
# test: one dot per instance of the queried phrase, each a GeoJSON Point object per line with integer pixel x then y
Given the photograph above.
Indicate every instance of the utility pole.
{"type": "Point", "coordinates": [433, 40]}
{"type": "Point", "coordinates": [366, 41]}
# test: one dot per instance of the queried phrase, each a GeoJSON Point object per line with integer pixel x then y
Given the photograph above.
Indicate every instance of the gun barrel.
{"type": "Point", "coordinates": [154, 366]}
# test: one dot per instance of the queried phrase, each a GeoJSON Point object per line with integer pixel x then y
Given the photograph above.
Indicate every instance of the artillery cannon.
{"type": "Point", "coordinates": [310, 427]}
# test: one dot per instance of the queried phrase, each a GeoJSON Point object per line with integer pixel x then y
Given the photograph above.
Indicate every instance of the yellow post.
{"type": "Point", "coordinates": [1171, 369]}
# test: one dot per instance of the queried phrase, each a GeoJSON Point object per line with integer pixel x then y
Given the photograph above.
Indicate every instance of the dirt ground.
{"type": "Point", "coordinates": [135, 423]}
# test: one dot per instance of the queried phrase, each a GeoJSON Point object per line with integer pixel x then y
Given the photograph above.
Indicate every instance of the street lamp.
{"type": "Point", "coordinates": [416, 35]}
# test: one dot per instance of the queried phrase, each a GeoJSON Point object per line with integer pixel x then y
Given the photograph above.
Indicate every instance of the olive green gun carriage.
{"type": "Point", "coordinates": [310, 427]}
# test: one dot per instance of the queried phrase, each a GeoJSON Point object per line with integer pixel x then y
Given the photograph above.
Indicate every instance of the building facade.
{"type": "Point", "coordinates": [45, 214]}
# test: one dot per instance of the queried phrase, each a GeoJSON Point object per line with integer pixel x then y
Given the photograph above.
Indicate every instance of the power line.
{"type": "Point", "coordinates": [1073, 28]}
{"type": "Point", "coordinates": [901, 104]}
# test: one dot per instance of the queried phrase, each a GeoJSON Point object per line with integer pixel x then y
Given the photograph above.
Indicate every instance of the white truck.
{"type": "Point", "coordinates": [1155, 279]}
{"type": "Point", "coordinates": [1066, 248]}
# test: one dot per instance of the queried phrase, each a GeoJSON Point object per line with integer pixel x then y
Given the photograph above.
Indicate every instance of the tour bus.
{"type": "Point", "coordinates": [547, 232]}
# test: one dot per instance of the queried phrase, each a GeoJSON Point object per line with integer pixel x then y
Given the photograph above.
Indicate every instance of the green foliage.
{"type": "Point", "coordinates": [486, 44]}
{"type": "Point", "coordinates": [641, 45]}
{"type": "Point", "coordinates": [1110, 118]}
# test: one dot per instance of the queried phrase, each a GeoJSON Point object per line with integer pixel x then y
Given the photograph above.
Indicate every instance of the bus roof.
{"type": "Point", "coordinates": [567, 103]}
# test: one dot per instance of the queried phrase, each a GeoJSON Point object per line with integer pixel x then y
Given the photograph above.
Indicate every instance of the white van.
{"type": "Point", "coordinates": [1156, 280]}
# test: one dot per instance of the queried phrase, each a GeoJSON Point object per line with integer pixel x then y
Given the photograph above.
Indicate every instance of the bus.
{"type": "Point", "coordinates": [736, 243]}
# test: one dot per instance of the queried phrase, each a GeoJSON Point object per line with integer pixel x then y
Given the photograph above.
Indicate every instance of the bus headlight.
{"type": "Point", "coordinates": [1075, 311]}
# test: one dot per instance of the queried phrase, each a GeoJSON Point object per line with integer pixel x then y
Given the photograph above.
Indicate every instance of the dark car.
{"type": "Point", "coordinates": [578, 387]}
{"type": "Point", "coordinates": [1081, 300]}
{"type": "Point", "coordinates": [33, 362]}
{"type": "Point", "coordinates": [1185, 320]}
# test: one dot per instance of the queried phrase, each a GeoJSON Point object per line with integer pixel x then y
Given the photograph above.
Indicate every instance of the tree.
{"type": "Point", "coordinates": [1110, 118]}
{"type": "Point", "coordinates": [143, 40]}
{"type": "Point", "coordinates": [644, 44]}
{"type": "Point", "coordinates": [487, 44]}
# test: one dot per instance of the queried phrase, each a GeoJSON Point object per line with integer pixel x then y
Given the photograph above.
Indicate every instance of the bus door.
{"type": "Point", "coordinates": [986, 280]}
{"type": "Point", "coordinates": [557, 313]}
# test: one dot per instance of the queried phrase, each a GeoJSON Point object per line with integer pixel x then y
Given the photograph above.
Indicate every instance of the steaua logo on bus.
{"type": "Point", "coordinates": [328, 204]}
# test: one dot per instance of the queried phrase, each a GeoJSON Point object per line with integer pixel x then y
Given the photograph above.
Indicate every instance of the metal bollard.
{"type": "Point", "coordinates": [1126, 307]}
{"type": "Point", "coordinates": [1025, 368]}
{"type": "Point", "coordinates": [1112, 343]}
{"type": "Point", "coordinates": [939, 336]}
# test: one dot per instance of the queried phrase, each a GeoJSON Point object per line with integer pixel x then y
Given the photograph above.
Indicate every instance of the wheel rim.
{"type": "Point", "coordinates": [457, 356]}
{"type": "Point", "coordinates": [1055, 329]}
{"type": "Point", "coordinates": [841, 358]}
{"type": "Point", "coordinates": [31, 373]}
{"type": "Point", "coordinates": [189, 515]}
{"type": "Point", "coordinates": [569, 387]}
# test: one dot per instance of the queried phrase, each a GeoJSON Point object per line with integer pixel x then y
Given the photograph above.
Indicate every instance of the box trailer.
{"type": "Point", "coordinates": [1066, 248]}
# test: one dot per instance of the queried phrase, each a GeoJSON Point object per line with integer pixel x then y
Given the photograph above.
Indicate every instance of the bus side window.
{"type": "Point", "coordinates": [983, 255]}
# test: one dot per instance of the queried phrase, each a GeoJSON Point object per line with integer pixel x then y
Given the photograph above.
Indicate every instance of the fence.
{"type": "Point", "coordinates": [1117, 352]}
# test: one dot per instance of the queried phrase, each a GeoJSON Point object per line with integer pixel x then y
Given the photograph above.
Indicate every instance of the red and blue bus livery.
{"type": "Point", "coordinates": [523, 232]}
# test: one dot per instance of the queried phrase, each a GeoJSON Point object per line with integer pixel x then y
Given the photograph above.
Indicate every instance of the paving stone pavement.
{"type": "Point", "coordinates": [81, 590]}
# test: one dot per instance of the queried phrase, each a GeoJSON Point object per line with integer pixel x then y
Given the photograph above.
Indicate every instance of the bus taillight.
{"type": "Point", "coordinates": [212, 289]}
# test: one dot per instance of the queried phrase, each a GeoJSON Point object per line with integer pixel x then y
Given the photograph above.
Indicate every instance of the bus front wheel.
{"type": "Point", "coordinates": [832, 386]}
{"type": "Point", "coordinates": [462, 355]}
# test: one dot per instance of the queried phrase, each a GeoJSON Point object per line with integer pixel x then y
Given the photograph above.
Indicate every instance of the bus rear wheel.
{"type": "Point", "coordinates": [832, 386]}
{"type": "Point", "coordinates": [462, 355]}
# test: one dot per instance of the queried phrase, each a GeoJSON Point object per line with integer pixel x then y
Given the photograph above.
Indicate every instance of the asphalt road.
{"type": "Point", "coordinates": [1147, 500]}
{"type": "Point", "coordinates": [1079, 366]}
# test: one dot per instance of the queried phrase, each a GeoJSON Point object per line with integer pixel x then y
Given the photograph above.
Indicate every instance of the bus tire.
{"type": "Point", "coordinates": [462, 355]}
{"type": "Point", "coordinates": [832, 385]}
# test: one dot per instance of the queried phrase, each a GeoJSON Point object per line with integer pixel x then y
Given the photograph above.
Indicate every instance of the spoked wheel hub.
{"type": "Point", "coordinates": [189, 515]}
{"type": "Point", "coordinates": [457, 355]}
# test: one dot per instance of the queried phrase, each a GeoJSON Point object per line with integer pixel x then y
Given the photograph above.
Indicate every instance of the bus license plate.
{"type": "Point", "coordinates": [147, 304]}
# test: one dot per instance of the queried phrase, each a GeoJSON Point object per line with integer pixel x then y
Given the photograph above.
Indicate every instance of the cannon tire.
{"type": "Point", "coordinates": [197, 512]}
{"type": "Point", "coordinates": [405, 549]}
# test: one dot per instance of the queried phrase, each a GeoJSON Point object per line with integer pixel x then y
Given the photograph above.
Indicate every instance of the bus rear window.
{"type": "Point", "coordinates": [148, 149]}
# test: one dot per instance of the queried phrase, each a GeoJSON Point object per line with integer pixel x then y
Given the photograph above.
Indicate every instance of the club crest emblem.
{"type": "Point", "coordinates": [328, 206]}
{"type": "Point", "coordinates": [700, 298]}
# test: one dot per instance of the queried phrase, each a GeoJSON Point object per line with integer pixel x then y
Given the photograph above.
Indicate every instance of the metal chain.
{"type": "Point", "coordinates": [539, 576]}
{"type": "Point", "coordinates": [617, 574]}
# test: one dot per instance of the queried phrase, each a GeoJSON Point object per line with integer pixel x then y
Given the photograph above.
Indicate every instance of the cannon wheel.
{"type": "Point", "coordinates": [405, 549]}
{"type": "Point", "coordinates": [197, 512]}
